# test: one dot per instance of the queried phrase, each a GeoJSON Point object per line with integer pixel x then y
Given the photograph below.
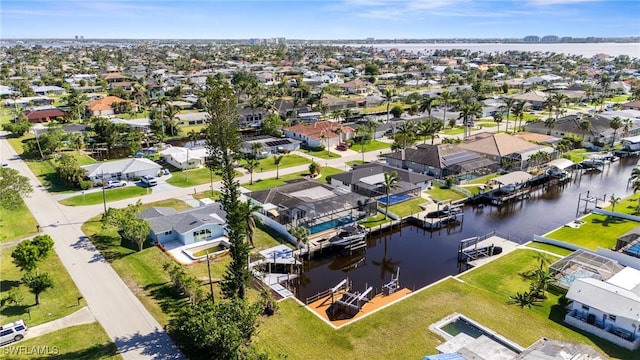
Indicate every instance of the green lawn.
{"type": "Point", "coordinates": [57, 302]}
{"type": "Point", "coordinates": [550, 248]}
{"type": "Point", "coordinates": [195, 177]}
{"type": "Point", "coordinates": [408, 207]}
{"type": "Point", "coordinates": [401, 331]}
{"type": "Point", "coordinates": [619, 99]}
{"type": "Point", "coordinates": [81, 342]}
{"type": "Point", "coordinates": [599, 231]}
{"type": "Point", "coordinates": [627, 206]}
{"type": "Point", "coordinates": [576, 155]}
{"type": "Point", "coordinates": [16, 223]}
{"type": "Point", "coordinates": [355, 162]}
{"type": "Point", "coordinates": [372, 145]}
{"type": "Point", "coordinates": [45, 171]}
{"type": "Point", "coordinates": [453, 131]}
{"type": "Point", "coordinates": [267, 164]}
{"type": "Point", "coordinates": [483, 179]}
{"type": "Point", "coordinates": [374, 221]}
{"type": "Point", "coordinates": [110, 195]}
{"type": "Point", "coordinates": [214, 195]}
{"type": "Point", "coordinates": [262, 184]}
{"type": "Point", "coordinates": [438, 194]}
{"type": "Point", "coordinates": [323, 154]}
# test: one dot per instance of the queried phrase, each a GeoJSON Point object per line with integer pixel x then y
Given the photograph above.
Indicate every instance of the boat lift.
{"type": "Point", "coordinates": [393, 285]}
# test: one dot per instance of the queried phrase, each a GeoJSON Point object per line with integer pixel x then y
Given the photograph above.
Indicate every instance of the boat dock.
{"type": "Point", "coordinates": [473, 248]}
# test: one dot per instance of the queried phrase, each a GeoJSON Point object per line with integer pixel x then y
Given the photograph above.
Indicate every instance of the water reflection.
{"type": "Point", "coordinates": [425, 257]}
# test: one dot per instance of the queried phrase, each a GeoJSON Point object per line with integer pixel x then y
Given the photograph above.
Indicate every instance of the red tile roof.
{"type": "Point", "coordinates": [315, 130]}
{"type": "Point", "coordinates": [46, 114]}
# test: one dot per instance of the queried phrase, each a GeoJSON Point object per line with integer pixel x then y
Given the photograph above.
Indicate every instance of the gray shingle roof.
{"type": "Point", "coordinates": [184, 221]}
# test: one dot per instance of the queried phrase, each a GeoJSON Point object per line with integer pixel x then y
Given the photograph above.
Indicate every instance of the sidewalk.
{"type": "Point", "coordinates": [82, 316]}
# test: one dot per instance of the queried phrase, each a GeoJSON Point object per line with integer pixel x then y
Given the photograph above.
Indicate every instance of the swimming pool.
{"type": "Point", "coordinates": [463, 325]}
{"type": "Point", "coordinates": [634, 250]}
{"type": "Point", "coordinates": [394, 199]}
{"type": "Point", "coordinates": [332, 224]}
{"type": "Point", "coordinates": [569, 278]}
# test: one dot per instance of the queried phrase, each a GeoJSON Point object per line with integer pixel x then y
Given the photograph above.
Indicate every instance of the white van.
{"type": "Point", "coordinates": [14, 331]}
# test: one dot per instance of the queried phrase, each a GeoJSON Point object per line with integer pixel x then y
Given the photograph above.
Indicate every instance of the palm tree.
{"type": "Point", "coordinates": [614, 201]}
{"type": "Point", "coordinates": [543, 259]}
{"type": "Point", "coordinates": [276, 161]}
{"type": "Point", "coordinates": [585, 126]}
{"type": "Point", "coordinates": [518, 112]}
{"type": "Point", "coordinates": [248, 209]}
{"type": "Point", "coordinates": [634, 179]}
{"type": "Point", "coordinates": [541, 281]}
{"type": "Point", "coordinates": [338, 132]}
{"type": "Point", "coordinates": [526, 298]}
{"type": "Point", "coordinates": [336, 115]}
{"type": "Point", "coordinates": [426, 104]}
{"type": "Point", "coordinates": [626, 127]}
{"type": "Point", "coordinates": [161, 102]}
{"type": "Point", "coordinates": [390, 183]}
{"type": "Point", "coordinates": [193, 136]}
{"type": "Point", "coordinates": [372, 126]}
{"type": "Point", "coordinates": [388, 96]}
{"type": "Point", "coordinates": [301, 234]}
{"type": "Point", "coordinates": [255, 149]}
{"type": "Point", "coordinates": [508, 105]}
{"type": "Point", "coordinates": [361, 131]}
{"type": "Point", "coordinates": [251, 165]}
{"type": "Point", "coordinates": [346, 114]}
{"type": "Point", "coordinates": [172, 120]}
{"type": "Point", "coordinates": [616, 123]}
{"type": "Point", "coordinates": [497, 117]}
{"type": "Point", "coordinates": [548, 104]}
{"type": "Point", "coordinates": [445, 98]}
{"type": "Point", "coordinates": [605, 83]}
{"type": "Point", "coordinates": [559, 100]}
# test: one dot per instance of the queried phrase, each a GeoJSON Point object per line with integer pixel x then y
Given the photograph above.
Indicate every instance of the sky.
{"type": "Point", "coordinates": [317, 19]}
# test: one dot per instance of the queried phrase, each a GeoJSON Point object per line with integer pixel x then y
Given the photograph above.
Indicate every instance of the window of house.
{"type": "Point", "coordinates": [201, 234]}
{"type": "Point", "coordinates": [585, 308]}
{"type": "Point", "coordinates": [612, 317]}
{"type": "Point", "coordinates": [168, 232]}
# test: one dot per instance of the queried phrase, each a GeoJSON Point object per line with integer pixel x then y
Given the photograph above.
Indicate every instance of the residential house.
{"type": "Point", "coordinates": [321, 133]}
{"type": "Point", "coordinates": [269, 145]}
{"type": "Point", "coordinates": [25, 102]}
{"type": "Point", "coordinates": [336, 103]}
{"type": "Point", "coordinates": [310, 203]}
{"type": "Point", "coordinates": [368, 180]}
{"type": "Point", "coordinates": [599, 129]}
{"type": "Point", "coordinates": [631, 105]}
{"type": "Point", "coordinates": [44, 115]}
{"type": "Point", "coordinates": [609, 309]}
{"type": "Point", "coordinates": [106, 106]}
{"type": "Point", "coordinates": [130, 169]}
{"type": "Point", "coordinates": [442, 160]}
{"type": "Point", "coordinates": [357, 87]}
{"type": "Point", "coordinates": [192, 118]}
{"type": "Point", "coordinates": [186, 227]}
{"type": "Point", "coordinates": [536, 98]}
{"type": "Point", "coordinates": [48, 90]}
{"type": "Point", "coordinates": [185, 158]}
{"type": "Point", "coordinates": [142, 125]}
{"type": "Point", "coordinates": [501, 147]}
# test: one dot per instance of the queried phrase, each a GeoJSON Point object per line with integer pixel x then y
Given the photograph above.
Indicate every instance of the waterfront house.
{"type": "Point", "coordinates": [308, 202]}
{"type": "Point", "coordinates": [609, 309]}
{"type": "Point", "coordinates": [185, 158]}
{"type": "Point", "coordinates": [368, 180]}
{"type": "Point", "coordinates": [190, 226]}
{"type": "Point", "coordinates": [535, 98]}
{"type": "Point", "coordinates": [502, 147]}
{"type": "Point", "coordinates": [598, 131]}
{"type": "Point", "coordinates": [142, 125]}
{"type": "Point", "coordinates": [130, 169]}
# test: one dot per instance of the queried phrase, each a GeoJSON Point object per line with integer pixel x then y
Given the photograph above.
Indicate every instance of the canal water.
{"type": "Point", "coordinates": [427, 256]}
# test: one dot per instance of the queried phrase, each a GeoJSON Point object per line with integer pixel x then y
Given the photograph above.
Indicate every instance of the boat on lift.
{"type": "Point", "coordinates": [348, 235]}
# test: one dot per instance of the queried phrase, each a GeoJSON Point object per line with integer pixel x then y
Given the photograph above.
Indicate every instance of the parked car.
{"type": "Point", "coordinates": [115, 184]}
{"type": "Point", "coordinates": [342, 147]}
{"type": "Point", "coordinates": [5, 165]}
{"type": "Point", "coordinates": [149, 180]}
{"type": "Point", "coordinates": [14, 331]}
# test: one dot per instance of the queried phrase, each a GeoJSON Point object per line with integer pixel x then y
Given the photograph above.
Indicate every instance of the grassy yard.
{"type": "Point", "coordinates": [57, 302]}
{"type": "Point", "coordinates": [630, 205]}
{"type": "Point", "coordinates": [196, 177]}
{"type": "Point", "coordinates": [453, 131]}
{"type": "Point", "coordinates": [550, 248]}
{"type": "Point", "coordinates": [262, 184]}
{"type": "Point", "coordinates": [408, 207]}
{"type": "Point", "coordinates": [110, 195]}
{"type": "Point", "coordinates": [16, 223]}
{"type": "Point", "coordinates": [355, 162]}
{"type": "Point", "coordinates": [438, 194]}
{"type": "Point", "coordinates": [576, 155]}
{"type": "Point", "coordinates": [372, 145]}
{"type": "Point", "coordinates": [483, 179]}
{"type": "Point", "coordinates": [81, 342]}
{"type": "Point", "coordinates": [599, 231]}
{"type": "Point", "coordinates": [267, 164]}
{"type": "Point", "coordinates": [374, 221]}
{"type": "Point", "coordinates": [45, 171]}
{"type": "Point", "coordinates": [214, 195]}
{"type": "Point", "coordinates": [401, 331]}
{"type": "Point", "coordinates": [323, 154]}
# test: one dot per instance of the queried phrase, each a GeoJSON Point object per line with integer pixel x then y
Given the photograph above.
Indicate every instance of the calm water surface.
{"type": "Point", "coordinates": [425, 257]}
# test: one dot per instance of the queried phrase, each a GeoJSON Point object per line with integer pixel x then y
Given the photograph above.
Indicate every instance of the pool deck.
{"type": "Point", "coordinates": [379, 301]}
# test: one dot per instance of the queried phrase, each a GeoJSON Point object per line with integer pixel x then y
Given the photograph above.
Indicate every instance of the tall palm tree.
{"type": "Point", "coordinates": [390, 183]}
{"type": "Point", "coordinates": [616, 123]}
{"type": "Point", "coordinates": [445, 99]}
{"type": "Point", "coordinates": [426, 104]}
{"type": "Point", "coordinates": [248, 208]}
{"type": "Point", "coordinates": [161, 102]}
{"type": "Point", "coordinates": [193, 136]}
{"type": "Point", "coordinates": [634, 179]}
{"type": "Point", "coordinates": [497, 117]}
{"type": "Point", "coordinates": [508, 105]}
{"type": "Point", "coordinates": [388, 97]}
{"type": "Point", "coordinates": [559, 101]}
{"type": "Point", "coordinates": [277, 160]}
{"type": "Point", "coordinates": [626, 127]}
{"type": "Point", "coordinates": [361, 132]}
{"type": "Point", "coordinates": [346, 114]}
{"type": "Point", "coordinates": [255, 149]}
{"type": "Point", "coordinates": [171, 118]}
{"type": "Point", "coordinates": [518, 112]}
{"type": "Point", "coordinates": [372, 126]}
{"type": "Point", "coordinates": [251, 165]}
{"type": "Point", "coordinates": [585, 126]}
{"type": "Point", "coordinates": [301, 234]}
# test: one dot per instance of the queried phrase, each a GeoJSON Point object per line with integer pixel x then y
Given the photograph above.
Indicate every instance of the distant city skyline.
{"type": "Point", "coordinates": [317, 20]}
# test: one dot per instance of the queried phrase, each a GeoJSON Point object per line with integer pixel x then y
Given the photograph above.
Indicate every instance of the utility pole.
{"type": "Point", "coordinates": [186, 172]}
{"type": "Point", "coordinates": [210, 281]}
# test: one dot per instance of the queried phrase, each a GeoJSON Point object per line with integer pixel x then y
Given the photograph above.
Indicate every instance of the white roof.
{"type": "Point", "coordinates": [124, 166]}
{"type": "Point", "coordinates": [313, 193]}
{"type": "Point", "coordinates": [560, 163]}
{"type": "Point", "coordinates": [280, 254]}
{"type": "Point", "coordinates": [606, 297]}
{"type": "Point", "coordinates": [515, 177]}
{"type": "Point", "coordinates": [180, 153]}
{"type": "Point", "coordinates": [628, 279]}
{"type": "Point", "coordinates": [373, 179]}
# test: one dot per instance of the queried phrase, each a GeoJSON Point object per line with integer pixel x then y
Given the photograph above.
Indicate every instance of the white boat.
{"type": "Point", "coordinates": [348, 235]}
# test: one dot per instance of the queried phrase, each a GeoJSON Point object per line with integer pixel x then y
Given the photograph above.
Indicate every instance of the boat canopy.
{"type": "Point", "coordinates": [516, 177]}
{"type": "Point", "coordinates": [561, 163]}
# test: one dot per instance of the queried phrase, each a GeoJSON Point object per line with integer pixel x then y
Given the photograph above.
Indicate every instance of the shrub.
{"type": "Point", "coordinates": [86, 184]}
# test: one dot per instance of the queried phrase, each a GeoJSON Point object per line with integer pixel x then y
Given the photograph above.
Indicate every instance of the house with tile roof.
{"type": "Point", "coordinates": [502, 146]}
{"type": "Point", "coordinates": [536, 98]}
{"type": "Point", "coordinates": [41, 115]}
{"type": "Point", "coordinates": [189, 226]}
{"type": "Point", "coordinates": [320, 133]}
{"type": "Point", "coordinates": [105, 106]}
{"type": "Point", "coordinates": [368, 180]}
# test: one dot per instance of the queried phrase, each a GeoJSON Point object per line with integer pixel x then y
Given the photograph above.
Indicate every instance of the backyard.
{"type": "Point", "coordinates": [392, 333]}
{"type": "Point", "coordinates": [372, 145]}
{"type": "Point", "coordinates": [598, 231]}
{"type": "Point", "coordinates": [267, 164]}
{"type": "Point", "coordinates": [262, 184]}
{"type": "Point", "coordinates": [110, 195]}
